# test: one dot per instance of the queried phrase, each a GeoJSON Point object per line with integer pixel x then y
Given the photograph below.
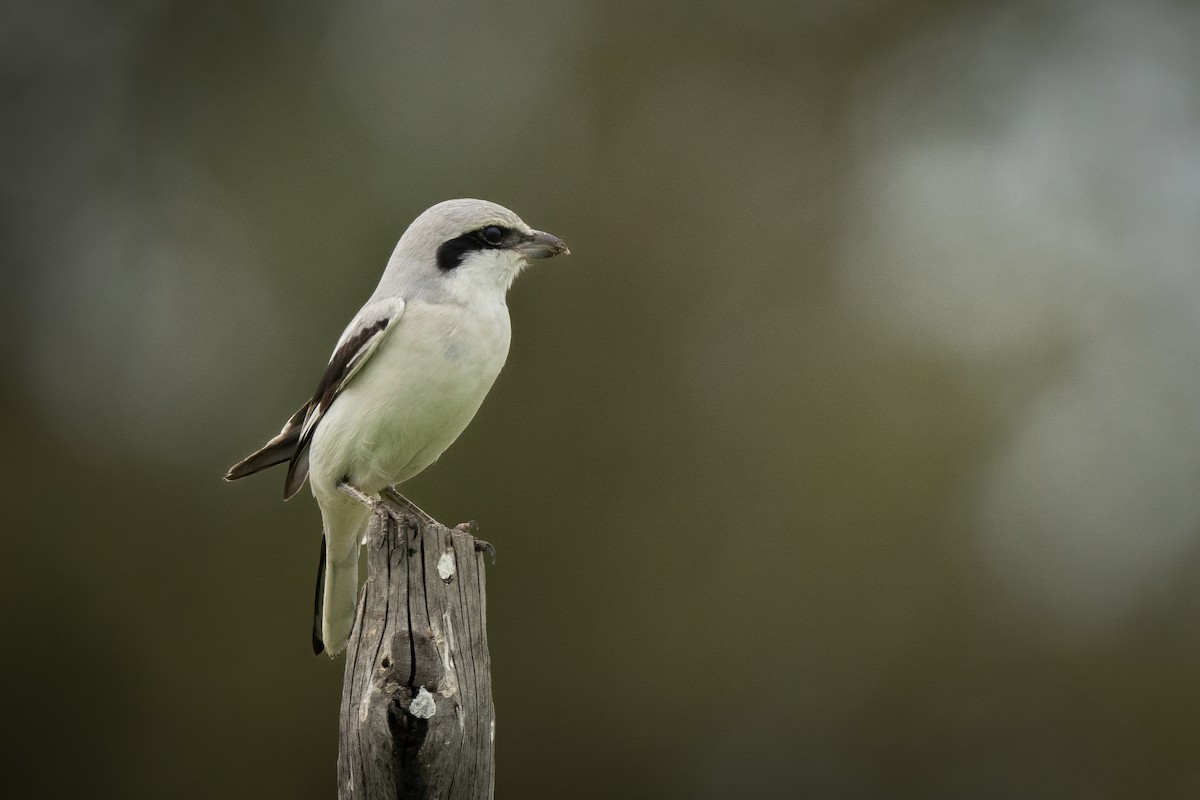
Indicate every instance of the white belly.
{"type": "Point", "coordinates": [413, 398]}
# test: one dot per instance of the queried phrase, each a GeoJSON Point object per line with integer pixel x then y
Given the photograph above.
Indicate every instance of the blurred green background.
{"type": "Point", "coordinates": [854, 452]}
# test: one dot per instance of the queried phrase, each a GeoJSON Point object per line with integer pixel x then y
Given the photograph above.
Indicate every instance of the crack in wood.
{"type": "Point", "coordinates": [407, 607]}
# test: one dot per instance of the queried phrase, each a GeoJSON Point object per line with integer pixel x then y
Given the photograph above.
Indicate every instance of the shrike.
{"type": "Point", "coordinates": [405, 379]}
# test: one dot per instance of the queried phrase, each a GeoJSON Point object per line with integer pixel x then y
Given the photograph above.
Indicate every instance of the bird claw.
{"type": "Point", "coordinates": [485, 547]}
{"type": "Point", "coordinates": [409, 514]}
{"type": "Point", "coordinates": [382, 509]}
{"type": "Point", "coordinates": [408, 508]}
{"type": "Point", "coordinates": [471, 528]}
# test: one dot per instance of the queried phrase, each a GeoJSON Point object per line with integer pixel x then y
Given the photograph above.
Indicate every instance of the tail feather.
{"type": "Point", "coordinates": [318, 644]}
{"type": "Point", "coordinates": [277, 451]}
{"type": "Point", "coordinates": [340, 597]}
{"type": "Point", "coordinates": [337, 573]}
{"type": "Point", "coordinates": [338, 584]}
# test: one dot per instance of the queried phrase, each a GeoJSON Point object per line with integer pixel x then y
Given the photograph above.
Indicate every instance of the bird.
{"type": "Point", "coordinates": [405, 379]}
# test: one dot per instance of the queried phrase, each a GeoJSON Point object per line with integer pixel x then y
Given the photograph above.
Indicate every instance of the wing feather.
{"type": "Point", "coordinates": [361, 339]}
{"type": "Point", "coordinates": [277, 451]}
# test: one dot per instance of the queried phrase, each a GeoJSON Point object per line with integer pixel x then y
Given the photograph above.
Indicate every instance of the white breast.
{"type": "Point", "coordinates": [414, 397]}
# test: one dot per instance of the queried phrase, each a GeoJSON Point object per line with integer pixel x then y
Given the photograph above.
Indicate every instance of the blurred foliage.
{"type": "Point", "coordinates": [852, 453]}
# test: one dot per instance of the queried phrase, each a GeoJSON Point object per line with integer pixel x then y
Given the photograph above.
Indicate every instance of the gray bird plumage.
{"type": "Point", "coordinates": [405, 379]}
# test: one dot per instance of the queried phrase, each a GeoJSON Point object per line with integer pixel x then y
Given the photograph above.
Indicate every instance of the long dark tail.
{"type": "Point", "coordinates": [317, 642]}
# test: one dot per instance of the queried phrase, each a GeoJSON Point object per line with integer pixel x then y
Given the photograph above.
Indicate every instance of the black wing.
{"type": "Point", "coordinates": [276, 451]}
{"type": "Point", "coordinates": [356, 346]}
{"type": "Point", "coordinates": [291, 444]}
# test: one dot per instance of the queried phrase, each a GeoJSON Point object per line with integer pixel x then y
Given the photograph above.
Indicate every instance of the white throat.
{"type": "Point", "coordinates": [483, 278]}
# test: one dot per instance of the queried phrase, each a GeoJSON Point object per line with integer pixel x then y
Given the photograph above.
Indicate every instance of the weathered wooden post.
{"type": "Point", "coordinates": [417, 719]}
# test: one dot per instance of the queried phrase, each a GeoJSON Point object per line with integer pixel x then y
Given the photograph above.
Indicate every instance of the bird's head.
{"type": "Point", "coordinates": [470, 249]}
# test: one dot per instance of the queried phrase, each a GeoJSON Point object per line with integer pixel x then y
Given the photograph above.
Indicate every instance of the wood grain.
{"type": "Point", "coordinates": [417, 719]}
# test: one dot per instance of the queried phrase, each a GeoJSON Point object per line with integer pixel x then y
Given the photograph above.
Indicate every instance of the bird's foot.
{"type": "Point", "coordinates": [407, 506]}
{"type": "Point", "coordinates": [486, 547]}
{"type": "Point", "coordinates": [399, 508]}
{"type": "Point", "coordinates": [472, 527]}
{"type": "Point", "coordinates": [380, 508]}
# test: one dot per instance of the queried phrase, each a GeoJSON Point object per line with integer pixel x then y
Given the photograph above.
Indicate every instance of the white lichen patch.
{"type": "Point", "coordinates": [422, 705]}
{"type": "Point", "coordinates": [445, 567]}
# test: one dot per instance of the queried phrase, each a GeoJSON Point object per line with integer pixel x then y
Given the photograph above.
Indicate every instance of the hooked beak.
{"type": "Point", "coordinates": [538, 244]}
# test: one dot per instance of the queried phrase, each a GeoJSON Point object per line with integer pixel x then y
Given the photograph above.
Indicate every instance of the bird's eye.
{"type": "Point", "coordinates": [493, 235]}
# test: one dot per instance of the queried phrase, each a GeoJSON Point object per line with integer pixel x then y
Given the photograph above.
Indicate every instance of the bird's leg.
{"type": "Point", "coordinates": [472, 527]}
{"type": "Point", "coordinates": [467, 527]}
{"type": "Point", "coordinates": [480, 545]}
{"type": "Point", "coordinates": [378, 507]}
{"type": "Point", "coordinates": [408, 505]}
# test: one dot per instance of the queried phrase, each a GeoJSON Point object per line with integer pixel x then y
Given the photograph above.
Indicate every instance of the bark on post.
{"type": "Point", "coordinates": [417, 719]}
